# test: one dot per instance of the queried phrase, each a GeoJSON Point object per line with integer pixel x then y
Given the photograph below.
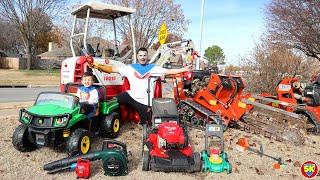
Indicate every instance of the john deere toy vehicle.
{"type": "Point", "coordinates": [214, 158]}
{"type": "Point", "coordinates": [55, 120]}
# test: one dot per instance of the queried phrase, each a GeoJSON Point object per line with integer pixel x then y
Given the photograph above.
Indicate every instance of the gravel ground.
{"type": "Point", "coordinates": [246, 165]}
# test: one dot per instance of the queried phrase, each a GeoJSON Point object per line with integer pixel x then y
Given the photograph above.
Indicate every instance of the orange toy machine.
{"type": "Point", "coordinates": [206, 97]}
{"type": "Point", "coordinates": [298, 97]}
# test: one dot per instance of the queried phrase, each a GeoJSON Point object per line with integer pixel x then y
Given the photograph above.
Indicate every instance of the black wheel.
{"type": "Point", "coordinates": [114, 166]}
{"type": "Point", "coordinates": [311, 127]}
{"type": "Point", "coordinates": [20, 139]}
{"type": "Point", "coordinates": [144, 132]}
{"type": "Point", "coordinates": [110, 126]}
{"type": "Point", "coordinates": [79, 142]}
{"type": "Point", "coordinates": [186, 137]}
{"type": "Point", "coordinates": [197, 162]}
{"type": "Point", "coordinates": [146, 161]}
{"type": "Point", "coordinates": [144, 136]}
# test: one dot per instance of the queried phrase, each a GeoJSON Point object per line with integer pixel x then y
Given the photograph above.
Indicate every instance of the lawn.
{"type": "Point", "coordinates": [29, 77]}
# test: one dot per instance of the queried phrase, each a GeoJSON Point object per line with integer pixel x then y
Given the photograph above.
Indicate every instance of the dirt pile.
{"type": "Point", "coordinates": [246, 165]}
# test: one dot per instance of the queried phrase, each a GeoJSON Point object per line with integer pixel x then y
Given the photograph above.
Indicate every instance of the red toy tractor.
{"type": "Point", "coordinates": [166, 143]}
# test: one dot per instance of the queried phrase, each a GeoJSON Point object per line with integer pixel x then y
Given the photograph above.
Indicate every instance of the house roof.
{"type": "Point", "coordinates": [57, 51]}
{"type": "Point", "coordinates": [102, 11]}
{"type": "Point", "coordinates": [65, 50]}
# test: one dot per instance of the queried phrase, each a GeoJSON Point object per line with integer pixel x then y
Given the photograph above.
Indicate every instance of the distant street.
{"type": "Point", "coordinates": [22, 94]}
{"type": "Point", "coordinates": [30, 94]}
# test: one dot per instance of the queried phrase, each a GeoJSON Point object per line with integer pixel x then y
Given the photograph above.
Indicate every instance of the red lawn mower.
{"type": "Point", "coordinates": [166, 146]}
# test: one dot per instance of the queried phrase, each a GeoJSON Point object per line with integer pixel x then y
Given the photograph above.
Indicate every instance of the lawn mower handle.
{"type": "Point", "coordinates": [148, 90]}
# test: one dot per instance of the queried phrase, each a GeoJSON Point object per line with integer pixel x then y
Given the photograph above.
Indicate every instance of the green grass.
{"type": "Point", "coordinates": [55, 72]}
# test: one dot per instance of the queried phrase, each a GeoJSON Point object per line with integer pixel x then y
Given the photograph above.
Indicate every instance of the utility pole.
{"type": "Point", "coordinates": [201, 28]}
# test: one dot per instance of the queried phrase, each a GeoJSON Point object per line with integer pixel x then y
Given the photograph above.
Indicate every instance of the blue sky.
{"type": "Point", "coordinates": [234, 25]}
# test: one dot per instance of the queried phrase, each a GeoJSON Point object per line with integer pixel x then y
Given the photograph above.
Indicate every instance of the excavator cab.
{"type": "Point", "coordinates": [312, 95]}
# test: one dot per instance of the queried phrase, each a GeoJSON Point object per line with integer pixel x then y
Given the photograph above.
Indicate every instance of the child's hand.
{"type": "Point", "coordinates": [84, 95]}
{"type": "Point", "coordinates": [90, 60]}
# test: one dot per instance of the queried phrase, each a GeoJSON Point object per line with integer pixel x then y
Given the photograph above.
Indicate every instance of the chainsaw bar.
{"type": "Point", "coordinates": [272, 125]}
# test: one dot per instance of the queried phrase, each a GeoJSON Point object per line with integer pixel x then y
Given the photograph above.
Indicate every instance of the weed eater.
{"type": "Point", "coordinates": [113, 155]}
{"type": "Point", "coordinates": [214, 158]}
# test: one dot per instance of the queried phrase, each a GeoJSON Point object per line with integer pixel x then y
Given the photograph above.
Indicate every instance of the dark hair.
{"type": "Point", "coordinates": [88, 74]}
{"type": "Point", "coordinates": [143, 49]}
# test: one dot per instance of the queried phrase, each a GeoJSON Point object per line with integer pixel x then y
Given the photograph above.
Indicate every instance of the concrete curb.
{"type": "Point", "coordinates": [26, 86]}
{"type": "Point", "coordinates": [35, 86]}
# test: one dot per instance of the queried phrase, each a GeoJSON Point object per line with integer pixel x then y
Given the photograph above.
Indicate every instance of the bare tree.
{"type": "Point", "coordinates": [296, 23]}
{"type": "Point", "coordinates": [270, 62]}
{"type": "Point", "coordinates": [27, 18]}
{"type": "Point", "coordinates": [148, 18]}
{"type": "Point", "coordinates": [10, 42]}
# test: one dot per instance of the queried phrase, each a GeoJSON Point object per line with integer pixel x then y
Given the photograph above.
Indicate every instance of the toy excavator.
{"type": "Point", "coordinates": [208, 96]}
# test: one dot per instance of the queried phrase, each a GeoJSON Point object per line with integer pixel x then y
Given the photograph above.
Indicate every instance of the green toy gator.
{"type": "Point", "coordinates": [55, 120]}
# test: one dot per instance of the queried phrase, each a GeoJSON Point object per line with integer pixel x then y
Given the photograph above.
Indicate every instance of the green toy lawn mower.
{"type": "Point", "coordinates": [56, 120]}
{"type": "Point", "coordinates": [214, 158]}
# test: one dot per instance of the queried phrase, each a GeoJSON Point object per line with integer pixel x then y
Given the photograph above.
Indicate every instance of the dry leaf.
{"type": "Point", "coordinates": [259, 172]}
{"type": "Point", "coordinates": [296, 164]}
{"type": "Point", "coordinates": [288, 160]}
{"type": "Point", "coordinates": [236, 170]}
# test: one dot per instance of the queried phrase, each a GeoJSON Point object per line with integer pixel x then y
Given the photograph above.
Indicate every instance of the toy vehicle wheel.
{"type": "Point", "coordinates": [146, 161]}
{"type": "Point", "coordinates": [197, 162]}
{"type": "Point", "coordinates": [229, 171]}
{"type": "Point", "coordinates": [110, 125]}
{"type": "Point", "coordinates": [79, 142]}
{"type": "Point", "coordinates": [20, 139]}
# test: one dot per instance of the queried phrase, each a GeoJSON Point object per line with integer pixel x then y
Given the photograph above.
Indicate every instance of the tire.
{"type": "Point", "coordinates": [197, 162]}
{"type": "Point", "coordinates": [144, 132]}
{"type": "Point", "coordinates": [144, 136]}
{"type": "Point", "coordinates": [146, 161]}
{"type": "Point", "coordinates": [186, 137]}
{"type": "Point", "coordinates": [20, 139]}
{"type": "Point", "coordinates": [79, 142]}
{"type": "Point", "coordinates": [110, 126]}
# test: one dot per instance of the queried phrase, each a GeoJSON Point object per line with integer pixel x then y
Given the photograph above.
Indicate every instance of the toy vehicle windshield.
{"type": "Point", "coordinates": [59, 99]}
